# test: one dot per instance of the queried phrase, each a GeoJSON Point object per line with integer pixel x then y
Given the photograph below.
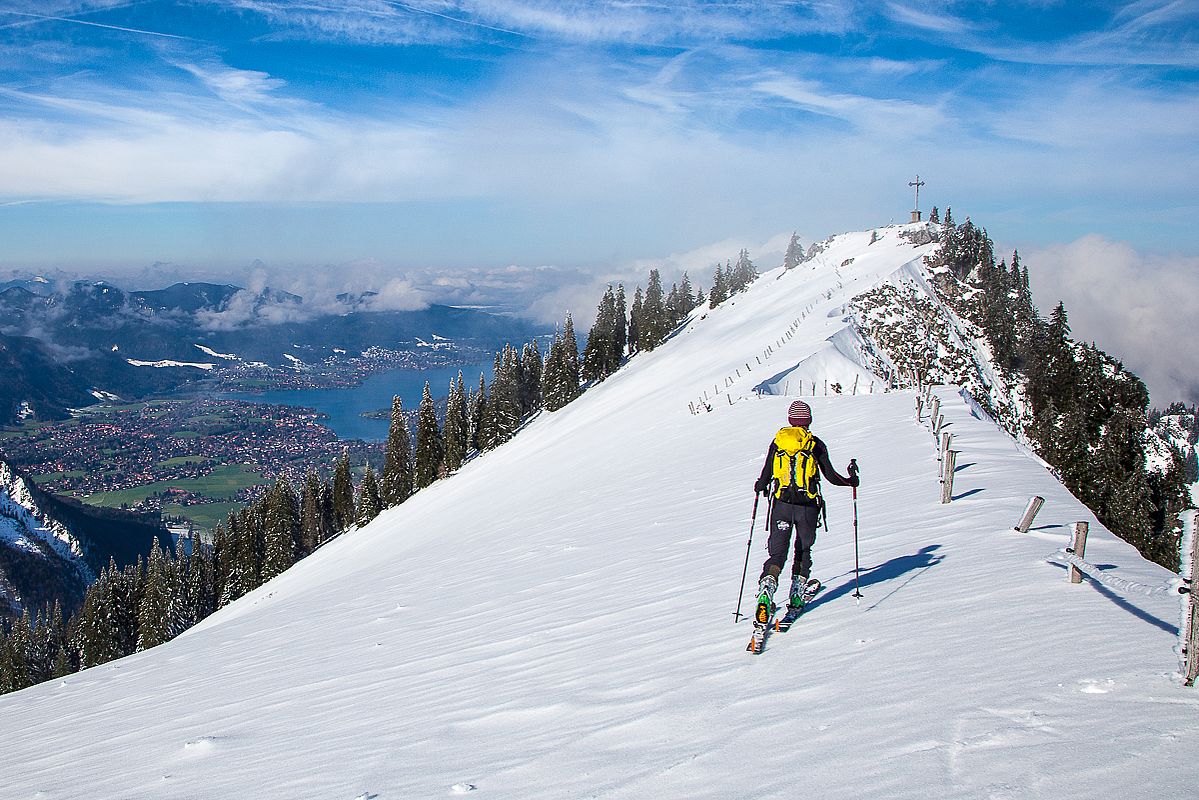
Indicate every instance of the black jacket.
{"type": "Point", "coordinates": [821, 455]}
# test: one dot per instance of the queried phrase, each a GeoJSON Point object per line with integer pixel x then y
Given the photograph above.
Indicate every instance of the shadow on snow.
{"type": "Point", "coordinates": [915, 564]}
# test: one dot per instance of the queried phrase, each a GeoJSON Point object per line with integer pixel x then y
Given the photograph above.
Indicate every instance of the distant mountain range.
{"type": "Point", "coordinates": [65, 345]}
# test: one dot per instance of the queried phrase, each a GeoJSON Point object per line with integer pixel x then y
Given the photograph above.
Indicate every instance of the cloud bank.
{"type": "Point", "coordinates": [1139, 308]}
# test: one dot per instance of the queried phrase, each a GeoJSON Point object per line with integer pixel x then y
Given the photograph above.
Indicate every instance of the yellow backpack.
{"type": "Point", "coordinates": [795, 466]}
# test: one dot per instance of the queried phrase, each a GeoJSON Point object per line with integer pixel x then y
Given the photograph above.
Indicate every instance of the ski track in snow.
{"type": "Point", "coordinates": [556, 621]}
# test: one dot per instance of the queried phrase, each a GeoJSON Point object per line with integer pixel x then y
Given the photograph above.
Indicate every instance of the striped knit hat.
{"type": "Point", "coordinates": [799, 414]}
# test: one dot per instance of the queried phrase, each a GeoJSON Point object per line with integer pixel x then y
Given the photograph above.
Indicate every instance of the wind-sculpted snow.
{"type": "Point", "coordinates": [555, 621]}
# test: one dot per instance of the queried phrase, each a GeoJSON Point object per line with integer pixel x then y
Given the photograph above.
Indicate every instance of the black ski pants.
{"type": "Point", "coordinates": [786, 519]}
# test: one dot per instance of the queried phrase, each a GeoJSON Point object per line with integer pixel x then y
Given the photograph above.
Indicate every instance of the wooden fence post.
{"type": "Point", "coordinates": [1030, 512]}
{"type": "Point", "coordinates": [1078, 546]}
{"type": "Point", "coordinates": [951, 458]}
{"type": "Point", "coordinates": [1191, 640]}
{"type": "Point", "coordinates": [941, 451]}
{"type": "Point", "coordinates": [919, 409]}
{"type": "Point", "coordinates": [936, 406]}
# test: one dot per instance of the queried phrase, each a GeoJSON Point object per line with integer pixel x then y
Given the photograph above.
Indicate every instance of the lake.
{"type": "Point", "coordinates": [344, 405]}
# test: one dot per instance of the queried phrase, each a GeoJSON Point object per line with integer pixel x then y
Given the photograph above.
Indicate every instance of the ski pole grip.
{"type": "Point", "coordinates": [853, 466]}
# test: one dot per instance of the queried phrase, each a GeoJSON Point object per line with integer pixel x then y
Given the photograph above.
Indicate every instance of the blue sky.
{"type": "Point", "coordinates": [447, 143]}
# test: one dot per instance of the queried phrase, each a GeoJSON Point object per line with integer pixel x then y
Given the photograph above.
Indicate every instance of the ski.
{"type": "Point", "coordinates": [758, 640]}
{"type": "Point", "coordinates": [793, 614]}
{"type": "Point", "coordinates": [763, 622]}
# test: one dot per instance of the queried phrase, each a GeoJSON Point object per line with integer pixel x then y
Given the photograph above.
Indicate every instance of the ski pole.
{"type": "Point", "coordinates": [748, 544]}
{"type": "Point", "coordinates": [857, 585]}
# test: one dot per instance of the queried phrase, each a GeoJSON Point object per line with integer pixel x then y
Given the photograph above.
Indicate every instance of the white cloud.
{"type": "Point", "coordinates": [398, 294]}
{"type": "Point", "coordinates": [240, 87]}
{"type": "Point", "coordinates": [1137, 307]}
{"type": "Point", "coordinates": [940, 22]}
{"type": "Point", "coordinates": [602, 21]}
{"type": "Point", "coordinates": [888, 116]}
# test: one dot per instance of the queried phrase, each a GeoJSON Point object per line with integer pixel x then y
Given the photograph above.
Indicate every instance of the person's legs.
{"type": "Point", "coordinates": [781, 525]}
{"type": "Point", "coordinates": [806, 519]}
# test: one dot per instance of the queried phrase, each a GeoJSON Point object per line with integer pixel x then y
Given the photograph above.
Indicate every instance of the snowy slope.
{"type": "Point", "coordinates": [36, 550]}
{"type": "Point", "coordinates": [26, 526]}
{"type": "Point", "coordinates": [555, 621]}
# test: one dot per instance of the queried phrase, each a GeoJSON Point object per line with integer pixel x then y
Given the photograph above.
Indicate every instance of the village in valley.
{"type": "Point", "coordinates": [194, 460]}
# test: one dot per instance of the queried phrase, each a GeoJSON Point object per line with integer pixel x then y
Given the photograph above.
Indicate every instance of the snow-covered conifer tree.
{"type": "Point", "coordinates": [396, 484]}
{"type": "Point", "coordinates": [794, 255]}
{"type": "Point", "coordinates": [720, 288]}
{"type": "Point", "coordinates": [570, 360]}
{"type": "Point", "coordinates": [476, 410]}
{"type": "Point", "coordinates": [430, 447]}
{"type": "Point", "coordinates": [281, 529]}
{"type": "Point", "coordinates": [153, 624]}
{"type": "Point", "coordinates": [456, 426]}
{"type": "Point", "coordinates": [311, 534]}
{"type": "Point", "coordinates": [621, 337]}
{"type": "Point", "coordinates": [369, 504]}
{"type": "Point", "coordinates": [531, 367]}
{"type": "Point", "coordinates": [343, 493]}
{"type": "Point", "coordinates": [654, 323]}
{"type": "Point", "coordinates": [635, 322]}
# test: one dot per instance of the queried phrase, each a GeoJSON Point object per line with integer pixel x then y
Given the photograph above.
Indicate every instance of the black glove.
{"type": "Point", "coordinates": [853, 472]}
{"type": "Point", "coordinates": [761, 486]}
{"type": "Point", "coordinates": [853, 480]}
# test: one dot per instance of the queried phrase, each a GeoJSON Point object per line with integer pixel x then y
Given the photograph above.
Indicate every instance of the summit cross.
{"type": "Point", "coordinates": [917, 183]}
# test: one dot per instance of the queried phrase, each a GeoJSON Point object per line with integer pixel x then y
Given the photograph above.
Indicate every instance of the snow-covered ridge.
{"type": "Point", "coordinates": [851, 358]}
{"type": "Point", "coordinates": [555, 620]}
{"type": "Point", "coordinates": [168, 363]}
{"type": "Point", "coordinates": [17, 503]}
{"type": "Point", "coordinates": [26, 528]}
{"type": "Point", "coordinates": [210, 352]}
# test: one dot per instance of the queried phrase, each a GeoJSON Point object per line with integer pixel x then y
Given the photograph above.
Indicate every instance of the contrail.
{"type": "Point", "coordinates": [95, 24]}
{"type": "Point", "coordinates": [459, 20]}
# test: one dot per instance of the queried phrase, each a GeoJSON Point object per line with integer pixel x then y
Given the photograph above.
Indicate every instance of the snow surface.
{"type": "Point", "coordinates": [555, 621]}
{"type": "Point", "coordinates": [209, 351]}
{"type": "Point", "coordinates": [168, 363]}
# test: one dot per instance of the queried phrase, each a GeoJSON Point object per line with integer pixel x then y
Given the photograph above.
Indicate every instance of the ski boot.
{"type": "Point", "coordinates": [799, 593]}
{"type": "Point", "coordinates": [764, 613]}
{"type": "Point", "coordinates": [765, 609]}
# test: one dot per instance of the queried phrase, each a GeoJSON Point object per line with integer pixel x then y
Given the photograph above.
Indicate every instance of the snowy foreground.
{"type": "Point", "coordinates": [556, 621]}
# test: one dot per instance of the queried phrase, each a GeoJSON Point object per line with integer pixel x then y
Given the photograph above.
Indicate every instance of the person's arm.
{"type": "Point", "coordinates": [763, 482]}
{"type": "Point", "coordinates": [826, 467]}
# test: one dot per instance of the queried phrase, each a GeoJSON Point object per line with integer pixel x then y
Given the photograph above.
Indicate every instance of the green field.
{"type": "Point", "coordinates": [177, 460]}
{"type": "Point", "coordinates": [204, 517]}
{"type": "Point", "coordinates": [222, 484]}
{"type": "Point", "coordinates": [28, 427]}
{"type": "Point", "coordinates": [104, 408]}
